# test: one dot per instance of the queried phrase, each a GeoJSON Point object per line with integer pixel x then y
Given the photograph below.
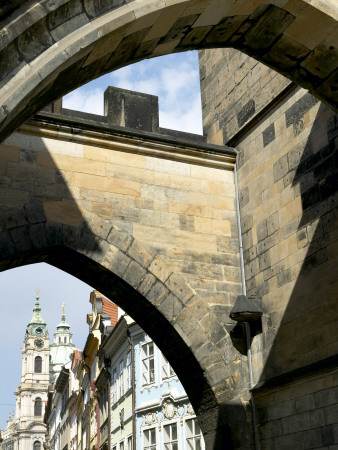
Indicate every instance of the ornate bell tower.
{"type": "Point", "coordinates": [31, 395]}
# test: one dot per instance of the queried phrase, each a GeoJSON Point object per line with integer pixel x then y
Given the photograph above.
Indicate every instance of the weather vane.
{"type": "Point", "coordinates": [63, 308]}
{"type": "Point", "coordinates": [37, 294]}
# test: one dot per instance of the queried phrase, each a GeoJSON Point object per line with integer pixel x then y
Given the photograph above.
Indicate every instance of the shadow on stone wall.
{"type": "Point", "coordinates": [50, 227]}
{"type": "Point", "coordinates": [312, 309]}
{"type": "Point", "coordinates": [306, 341]}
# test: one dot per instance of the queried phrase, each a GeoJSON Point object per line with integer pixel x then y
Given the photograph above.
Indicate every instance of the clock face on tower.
{"type": "Point", "coordinates": [38, 343]}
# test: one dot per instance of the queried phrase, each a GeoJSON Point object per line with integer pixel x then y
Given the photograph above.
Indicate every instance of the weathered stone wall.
{"type": "Point", "coordinates": [287, 179]}
{"type": "Point", "coordinates": [235, 89]}
{"type": "Point", "coordinates": [150, 221]}
{"type": "Point", "coordinates": [183, 211]}
{"type": "Point", "coordinates": [301, 414]}
{"type": "Point", "coordinates": [287, 172]}
{"type": "Point", "coordinates": [47, 49]}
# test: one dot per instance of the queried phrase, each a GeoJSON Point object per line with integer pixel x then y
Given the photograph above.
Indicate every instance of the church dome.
{"type": "Point", "coordinates": [61, 350]}
{"type": "Point", "coordinates": [60, 354]}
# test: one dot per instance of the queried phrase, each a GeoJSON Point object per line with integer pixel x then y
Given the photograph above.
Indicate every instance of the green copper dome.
{"type": "Point", "coordinates": [63, 326]}
{"type": "Point", "coordinates": [61, 350]}
{"type": "Point", "coordinates": [37, 326]}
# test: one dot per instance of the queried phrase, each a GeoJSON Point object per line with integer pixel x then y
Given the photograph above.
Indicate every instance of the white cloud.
{"type": "Point", "coordinates": [189, 121]}
{"type": "Point", "coordinates": [86, 100]}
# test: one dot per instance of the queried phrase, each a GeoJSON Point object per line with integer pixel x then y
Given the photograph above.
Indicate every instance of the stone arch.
{"type": "Point", "coordinates": [49, 48]}
{"type": "Point", "coordinates": [180, 322]}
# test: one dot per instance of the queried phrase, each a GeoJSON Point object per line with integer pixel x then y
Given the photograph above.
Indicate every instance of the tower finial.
{"type": "Point", "coordinates": [63, 309]}
{"type": "Point", "coordinates": [37, 294]}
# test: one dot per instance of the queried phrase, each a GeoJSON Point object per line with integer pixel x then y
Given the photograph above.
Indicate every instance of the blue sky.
{"type": "Point", "coordinates": [175, 80]}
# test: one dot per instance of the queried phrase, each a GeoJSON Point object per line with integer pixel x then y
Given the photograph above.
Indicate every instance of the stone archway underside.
{"type": "Point", "coordinates": [179, 321]}
{"type": "Point", "coordinates": [49, 48]}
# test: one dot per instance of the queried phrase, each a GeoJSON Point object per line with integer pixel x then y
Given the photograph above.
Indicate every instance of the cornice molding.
{"type": "Point", "coordinates": [131, 141]}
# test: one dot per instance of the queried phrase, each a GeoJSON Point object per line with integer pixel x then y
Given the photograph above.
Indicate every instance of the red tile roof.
{"type": "Point", "coordinates": [111, 309]}
{"type": "Point", "coordinates": [77, 354]}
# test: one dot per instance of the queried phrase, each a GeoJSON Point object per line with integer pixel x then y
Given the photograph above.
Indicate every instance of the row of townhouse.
{"type": "Point", "coordinates": [120, 392]}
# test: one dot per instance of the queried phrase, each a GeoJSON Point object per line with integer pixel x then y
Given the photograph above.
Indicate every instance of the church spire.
{"type": "Point", "coordinates": [37, 326]}
{"type": "Point", "coordinates": [63, 326]}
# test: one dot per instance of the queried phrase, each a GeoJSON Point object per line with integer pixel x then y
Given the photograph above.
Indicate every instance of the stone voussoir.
{"type": "Point", "coordinates": [140, 254]}
{"type": "Point", "coordinates": [160, 269]}
{"type": "Point", "coordinates": [179, 287]}
{"type": "Point", "coordinates": [134, 274]}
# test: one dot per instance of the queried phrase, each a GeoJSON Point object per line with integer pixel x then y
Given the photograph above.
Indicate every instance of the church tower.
{"type": "Point", "coordinates": [31, 395]}
{"type": "Point", "coordinates": [41, 365]}
{"type": "Point", "coordinates": [62, 348]}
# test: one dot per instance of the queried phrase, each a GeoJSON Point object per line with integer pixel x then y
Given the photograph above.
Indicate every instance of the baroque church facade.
{"type": "Point", "coordinates": [41, 364]}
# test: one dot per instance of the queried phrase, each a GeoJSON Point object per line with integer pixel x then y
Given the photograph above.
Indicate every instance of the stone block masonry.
{"type": "Point", "coordinates": [292, 194]}
{"type": "Point", "coordinates": [287, 159]}
{"type": "Point", "coordinates": [153, 216]}
{"type": "Point", "coordinates": [183, 211]}
{"type": "Point", "coordinates": [63, 45]}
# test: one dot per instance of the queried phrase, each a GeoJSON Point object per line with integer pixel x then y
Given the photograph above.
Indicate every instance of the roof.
{"type": "Point", "coordinates": [37, 326]}
{"type": "Point", "coordinates": [111, 309]}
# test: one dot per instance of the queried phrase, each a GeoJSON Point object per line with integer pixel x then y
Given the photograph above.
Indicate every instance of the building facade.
{"type": "Point", "coordinates": [91, 417]}
{"type": "Point", "coordinates": [164, 415]}
{"type": "Point", "coordinates": [148, 405]}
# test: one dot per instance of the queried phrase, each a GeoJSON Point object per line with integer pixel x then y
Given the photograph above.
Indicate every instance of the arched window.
{"type": "Point", "coordinates": [37, 445]}
{"type": "Point", "coordinates": [65, 340]}
{"type": "Point", "coordinates": [38, 364]}
{"type": "Point", "coordinates": [59, 340]}
{"type": "Point", "coordinates": [38, 407]}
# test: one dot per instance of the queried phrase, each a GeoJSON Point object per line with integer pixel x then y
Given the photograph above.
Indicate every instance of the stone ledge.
{"type": "Point", "coordinates": [145, 143]}
{"type": "Point", "coordinates": [323, 366]}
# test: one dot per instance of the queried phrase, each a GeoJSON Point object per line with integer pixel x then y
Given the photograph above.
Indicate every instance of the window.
{"type": "Point", "coordinates": [38, 364]}
{"type": "Point", "coordinates": [65, 340]}
{"type": "Point", "coordinates": [121, 445]}
{"type": "Point", "coordinates": [130, 443]}
{"type": "Point", "coordinates": [38, 407]}
{"type": "Point", "coordinates": [193, 435]}
{"type": "Point", "coordinates": [129, 374]}
{"type": "Point", "coordinates": [170, 437]}
{"type": "Point", "coordinates": [59, 340]}
{"type": "Point", "coordinates": [104, 403]}
{"type": "Point", "coordinates": [167, 371]}
{"type": "Point", "coordinates": [149, 439]}
{"type": "Point", "coordinates": [37, 445]}
{"type": "Point", "coordinates": [121, 377]}
{"type": "Point", "coordinates": [114, 386]}
{"type": "Point", "coordinates": [93, 368]}
{"type": "Point", "coordinates": [147, 365]}
{"type": "Point", "coordinates": [93, 424]}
